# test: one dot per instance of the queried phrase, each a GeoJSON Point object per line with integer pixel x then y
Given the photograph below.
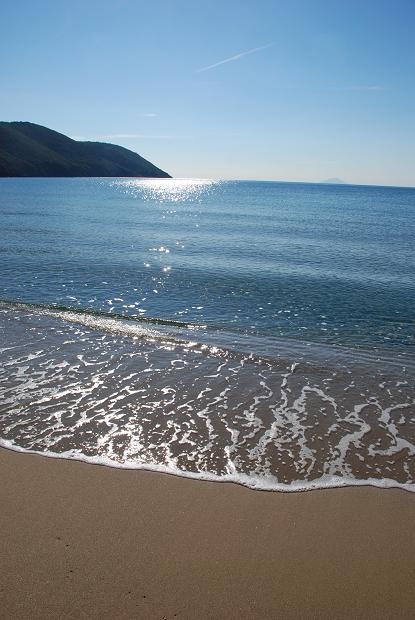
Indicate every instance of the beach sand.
{"type": "Point", "coordinates": [86, 541]}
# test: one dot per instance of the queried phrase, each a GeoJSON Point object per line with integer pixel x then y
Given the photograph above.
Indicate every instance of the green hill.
{"type": "Point", "coordinates": [29, 150]}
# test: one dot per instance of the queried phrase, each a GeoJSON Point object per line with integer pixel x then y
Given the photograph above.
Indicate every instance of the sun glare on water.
{"type": "Point", "coordinates": [173, 190]}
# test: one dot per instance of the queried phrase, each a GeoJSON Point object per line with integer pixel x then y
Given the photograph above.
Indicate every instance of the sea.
{"type": "Point", "coordinates": [260, 333]}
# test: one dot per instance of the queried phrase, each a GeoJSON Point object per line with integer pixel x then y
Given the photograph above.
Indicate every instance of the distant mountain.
{"type": "Point", "coordinates": [335, 181]}
{"type": "Point", "coordinates": [29, 150]}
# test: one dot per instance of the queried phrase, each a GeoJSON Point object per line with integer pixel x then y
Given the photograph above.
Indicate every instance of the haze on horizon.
{"type": "Point", "coordinates": [298, 91]}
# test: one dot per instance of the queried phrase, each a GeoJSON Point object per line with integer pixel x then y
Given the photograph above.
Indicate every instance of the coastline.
{"type": "Point", "coordinates": [82, 540]}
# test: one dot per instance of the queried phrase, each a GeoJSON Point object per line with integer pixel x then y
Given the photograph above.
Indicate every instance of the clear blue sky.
{"type": "Point", "coordinates": [330, 92]}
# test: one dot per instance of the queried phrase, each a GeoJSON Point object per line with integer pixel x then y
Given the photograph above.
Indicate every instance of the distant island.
{"type": "Point", "coordinates": [30, 150]}
{"type": "Point", "coordinates": [335, 181]}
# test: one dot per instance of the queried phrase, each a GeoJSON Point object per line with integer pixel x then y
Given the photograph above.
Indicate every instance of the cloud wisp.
{"type": "Point", "coordinates": [359, 88]}
{"type": "Point", "coordinates": [370, 87]}
{"type": "Point", "coordinates": [126, 136]}
{"type": "Point", "coordinates": [236, 57]}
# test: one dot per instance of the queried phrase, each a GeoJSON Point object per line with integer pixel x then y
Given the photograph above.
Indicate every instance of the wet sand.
{"type": "Point", "coordinates": [85, 541]}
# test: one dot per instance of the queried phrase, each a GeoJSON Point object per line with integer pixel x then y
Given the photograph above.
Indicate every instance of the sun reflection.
{"type": "Point", "coordinates": [173, 190]}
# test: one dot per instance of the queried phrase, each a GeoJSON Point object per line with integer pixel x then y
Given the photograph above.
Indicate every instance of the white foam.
{"type": "Point", "coordinates": [255, 482]}
{"type": "Point", "coordinates": [288, 426]}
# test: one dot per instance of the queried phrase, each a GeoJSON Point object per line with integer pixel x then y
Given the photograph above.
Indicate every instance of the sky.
{"type": "Point", "coordinates": [295, 90]}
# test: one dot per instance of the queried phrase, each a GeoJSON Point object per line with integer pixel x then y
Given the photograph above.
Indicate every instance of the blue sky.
{"type": "Point", "coordinates": [298, 90]}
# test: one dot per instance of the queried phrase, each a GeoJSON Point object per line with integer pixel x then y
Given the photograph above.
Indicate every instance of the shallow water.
{"type": "Point", "coordinates": [255, 332]}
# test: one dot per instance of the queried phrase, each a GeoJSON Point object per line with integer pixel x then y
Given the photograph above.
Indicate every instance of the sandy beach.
{"type": "Point", "coordinates": [85, 541]}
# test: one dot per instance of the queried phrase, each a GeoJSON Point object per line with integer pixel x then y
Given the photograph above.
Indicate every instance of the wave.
{"type": "Point", "coordinates": [121, 393]}
{"type": "Point", "coordinates": [58, 310]}
{"type": "Point", "coordinates": [214, 338]}
{"type": "Point", "coordinates": [256, 483]}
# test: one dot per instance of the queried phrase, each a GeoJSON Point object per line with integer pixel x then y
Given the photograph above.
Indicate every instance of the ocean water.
{"type": "Point", "coordinates": [254, 332]}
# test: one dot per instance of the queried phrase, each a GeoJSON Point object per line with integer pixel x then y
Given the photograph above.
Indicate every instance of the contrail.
{"type": "Point", "coordinates": [236, 57]}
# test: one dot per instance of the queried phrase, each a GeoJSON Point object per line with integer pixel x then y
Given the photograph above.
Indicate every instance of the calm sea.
{"type": "Point", "coordinates": [257, 332]}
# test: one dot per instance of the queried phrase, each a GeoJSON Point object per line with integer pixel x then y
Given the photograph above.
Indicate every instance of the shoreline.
{"type": "Point", "coordinates": [209, 409]}
{"type": "Point", "coordinates": [252, 483]}
{"type": "Point", "coordinates": [82, 540]}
